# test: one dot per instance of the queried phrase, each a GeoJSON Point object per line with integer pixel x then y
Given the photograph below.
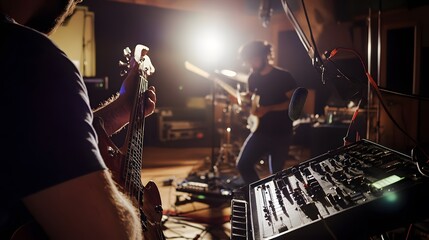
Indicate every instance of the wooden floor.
{"type": "Point", "coordinates": [189, 215]}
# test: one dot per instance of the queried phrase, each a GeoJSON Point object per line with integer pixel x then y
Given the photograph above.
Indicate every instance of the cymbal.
{"type": "Point", "coordinates": [191, 67]}
{"type": "Point", "coordinates": [233, 75]}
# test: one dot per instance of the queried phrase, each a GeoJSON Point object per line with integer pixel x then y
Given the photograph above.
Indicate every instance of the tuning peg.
{"type": "Point", "coordinates": [122, 64]}
{"type": "Point", "coordinates": [123, 73]}
{"type": "Point", "coordinates": [127, 51]}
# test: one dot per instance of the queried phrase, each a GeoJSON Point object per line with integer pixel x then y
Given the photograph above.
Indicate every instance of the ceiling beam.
{"type": "Point", "coordinates": [238, 6]}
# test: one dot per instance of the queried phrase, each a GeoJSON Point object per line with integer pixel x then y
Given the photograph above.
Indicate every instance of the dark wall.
{"type": "Point", "coordinates": [333, 90]}
{"type": "Point", "coordinates": [119, 25]}
{"type": "Point", "coordinates": [166, 32]}
{"type": "Point", "coordinates": [169, 34]}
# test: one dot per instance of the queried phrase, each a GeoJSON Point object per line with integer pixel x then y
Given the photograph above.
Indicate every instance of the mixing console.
{"type": "Point", "coordinates": [352, 192]}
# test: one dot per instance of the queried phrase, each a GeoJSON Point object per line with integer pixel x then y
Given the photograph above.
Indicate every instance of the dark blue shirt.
{"type": "Point", "coordinates": [47, 120]}
{"type": "Point", "coordinates": [272, 89]}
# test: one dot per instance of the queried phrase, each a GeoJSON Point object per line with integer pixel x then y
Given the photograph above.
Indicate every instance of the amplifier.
{"type": "Point", "coordinates": [97, 82]}
{"type": "Point", "coordinates": [352, 192]}
{"type": "Point", "coordinates": [181, 124]}
{"type": "Point", "coordinates": [181, 130]}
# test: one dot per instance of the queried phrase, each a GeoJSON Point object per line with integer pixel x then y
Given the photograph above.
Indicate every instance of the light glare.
{"type": "Point", "coordinates": [209, 44]}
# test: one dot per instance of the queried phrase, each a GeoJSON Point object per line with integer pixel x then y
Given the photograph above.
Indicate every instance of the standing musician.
{"type": "Point", "coordinates": [54, 175]}
{"type": "Point", "coordinates": [272, 134]}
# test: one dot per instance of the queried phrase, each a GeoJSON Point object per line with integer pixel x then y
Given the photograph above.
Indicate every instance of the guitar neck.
{"type": "Point", "coordinates": [135, 137]}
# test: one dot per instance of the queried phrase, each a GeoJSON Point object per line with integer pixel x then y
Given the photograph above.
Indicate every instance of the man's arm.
{"type": "Point", "coordinates": [91, 206]}
{"type": "Point", "coordinates": [87, 207]}
{"type": "Point", "coordinates": [262, 110]}
{"type": "Point", "coordinates": [116, 111]}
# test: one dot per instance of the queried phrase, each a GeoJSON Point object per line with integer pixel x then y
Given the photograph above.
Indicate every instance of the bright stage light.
{"type": "Point", "coordinates": [209, 45]}
{"type": "Point", "coordinates": [210, 41]}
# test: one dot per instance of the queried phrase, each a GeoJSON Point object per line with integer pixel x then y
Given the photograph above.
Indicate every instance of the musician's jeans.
{"type": "Point", "coordinates": [256, 146]}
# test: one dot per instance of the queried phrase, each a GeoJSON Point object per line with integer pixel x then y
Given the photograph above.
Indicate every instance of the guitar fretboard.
{"type": "Point", "coordinates": [133, 159]}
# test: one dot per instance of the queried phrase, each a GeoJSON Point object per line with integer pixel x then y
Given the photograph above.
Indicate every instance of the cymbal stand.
{"type": "Point", "coordinates": [226, 153]}
{"type": "Point", "coordinates": [225, 160]}
{"type": "Point", "coordinates": [212, 173]}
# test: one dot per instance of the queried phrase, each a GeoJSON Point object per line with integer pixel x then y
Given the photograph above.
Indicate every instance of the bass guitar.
{"type": "Point", "coordinates": [125, 163]}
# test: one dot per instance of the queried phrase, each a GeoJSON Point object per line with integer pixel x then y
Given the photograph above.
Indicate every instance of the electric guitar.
{"type": "Point", "coordinates": [253, 120]}
{"type": "Point", "coordinates": [125, 163]}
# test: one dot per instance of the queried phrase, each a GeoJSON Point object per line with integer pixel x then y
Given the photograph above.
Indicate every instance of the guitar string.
{"type": "Point", "coordinates": [135, 149]}
{"type": "Point", "coordinates": [133, 163]}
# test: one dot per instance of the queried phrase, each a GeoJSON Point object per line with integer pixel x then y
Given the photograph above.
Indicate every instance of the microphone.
{"type": "Point", "coordinates": [297, 102]}
{"type": "Point", "coordinates": [265, 12]}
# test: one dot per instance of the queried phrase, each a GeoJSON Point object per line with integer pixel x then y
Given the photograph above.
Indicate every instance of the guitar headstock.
{"type": "Point", "coordinates": [140, 57]}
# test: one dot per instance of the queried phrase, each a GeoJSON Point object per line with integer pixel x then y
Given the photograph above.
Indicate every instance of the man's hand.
{"type": "Point", "coordinates": [129, 85]}
{"type": "Point", "coordinates": [116, 111]}
{"type": "Point", "coordinates": [260, 111]}
{"type": "Point", "coordinates": [128, 89]}
{"type": "Point", "coordinates": [150, 102]}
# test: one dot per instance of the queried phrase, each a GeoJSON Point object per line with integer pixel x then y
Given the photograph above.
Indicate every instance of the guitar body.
{"type": "Point", "coordinates": [252, 122]}
{"type": "Point", "coordinates": [152, 208]}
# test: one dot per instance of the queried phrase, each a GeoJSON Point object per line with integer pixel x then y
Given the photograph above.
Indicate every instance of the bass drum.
{"type": "Point", "coordinates": [230, 119]}
{"type": "Point", "coordinates": [218, 108]}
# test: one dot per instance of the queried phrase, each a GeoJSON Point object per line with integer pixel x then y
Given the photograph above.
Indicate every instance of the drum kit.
{"type": "Point", "coordinates": [233, 124]}
{"type": "Point", "coordinates": [231, 113]}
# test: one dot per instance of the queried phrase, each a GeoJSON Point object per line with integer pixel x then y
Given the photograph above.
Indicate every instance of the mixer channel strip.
{"type": "Point", "coordinates": [239, 216]}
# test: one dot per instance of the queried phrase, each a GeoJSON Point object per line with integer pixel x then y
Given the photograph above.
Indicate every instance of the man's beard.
{"type": "Point", "coordinates": [261, 67]}
{"type": "Point", "coordinates": [47, 21]}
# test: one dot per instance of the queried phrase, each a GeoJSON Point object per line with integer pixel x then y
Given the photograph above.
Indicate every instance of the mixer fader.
{"type": "Point", "coordinates": [351, 192]}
